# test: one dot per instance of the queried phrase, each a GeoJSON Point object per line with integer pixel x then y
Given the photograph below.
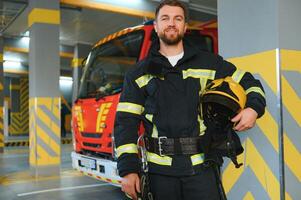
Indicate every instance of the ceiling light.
{"type": "Point", "coordinates": [66, 78]}
{"type": "Point", "coordinates": [12, 64]}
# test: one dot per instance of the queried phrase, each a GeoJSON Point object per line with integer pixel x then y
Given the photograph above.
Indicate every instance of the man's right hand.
{"type": "Point", "coordinates": [131, 185]}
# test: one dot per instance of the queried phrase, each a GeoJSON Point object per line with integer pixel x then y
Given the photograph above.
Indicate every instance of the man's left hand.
{"type": "Point", "coordinates": [245, 119]}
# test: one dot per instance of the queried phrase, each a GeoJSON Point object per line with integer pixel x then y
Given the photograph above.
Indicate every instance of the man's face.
{"type": "Point", "coordinates": [170, 24]}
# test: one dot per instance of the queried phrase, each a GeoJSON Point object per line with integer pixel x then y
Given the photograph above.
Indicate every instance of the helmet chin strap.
{"type": "Point", "coordinates": [231, 148]}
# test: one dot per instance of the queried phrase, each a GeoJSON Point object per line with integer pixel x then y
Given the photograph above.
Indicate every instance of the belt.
{"type": "Point", "coordinates": [173, 146]}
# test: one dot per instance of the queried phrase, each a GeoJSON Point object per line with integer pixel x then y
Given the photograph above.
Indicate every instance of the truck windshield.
{"type": "Point", "coordinates": [106, 65]}
{"type": "Point", "coordinates": [204, 42]}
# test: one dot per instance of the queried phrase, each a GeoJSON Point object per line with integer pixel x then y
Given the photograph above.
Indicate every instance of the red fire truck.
{"type": "Point", "coordinates": [93, 113]}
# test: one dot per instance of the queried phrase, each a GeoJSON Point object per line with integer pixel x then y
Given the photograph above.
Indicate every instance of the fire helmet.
{"type": "Point", "coordinates": [221, 100]}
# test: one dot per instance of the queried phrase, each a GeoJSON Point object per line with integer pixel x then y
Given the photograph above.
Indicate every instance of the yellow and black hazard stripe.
{"type": "Point", "coordinates": [18, 143]}
{"type": "Point", "coordinates": [1, 129]}
{"type": "Point", "coordinates": [66, 140]}
{"type": "Point", "coordinates": [1, 107]}
{"type": "Point", "coordinates": [20, 118]}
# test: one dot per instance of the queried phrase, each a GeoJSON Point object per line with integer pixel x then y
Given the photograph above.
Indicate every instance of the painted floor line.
{"type": "Point", "coordinates": [61, 189]}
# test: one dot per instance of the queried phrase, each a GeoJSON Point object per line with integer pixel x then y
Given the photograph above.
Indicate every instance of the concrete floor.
{"type": "Point", "coordinates": [17, 183]}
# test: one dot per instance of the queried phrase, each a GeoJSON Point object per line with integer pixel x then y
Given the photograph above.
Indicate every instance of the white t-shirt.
{"type": "Point", "coordinates": [174, 59]}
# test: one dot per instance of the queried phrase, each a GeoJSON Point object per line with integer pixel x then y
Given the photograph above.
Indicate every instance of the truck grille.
{"type": "Point", "coordinates": [91, 135]}
{"type": "Point", "coordinates": [91, 145]}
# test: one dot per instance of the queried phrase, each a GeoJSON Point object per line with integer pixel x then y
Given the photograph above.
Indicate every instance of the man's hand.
{"type": "Point", "coordinates": [131, 185]}
{"type": "Point", "coordinates": [246, 119]}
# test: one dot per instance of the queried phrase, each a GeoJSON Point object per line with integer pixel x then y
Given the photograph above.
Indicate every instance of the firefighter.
{"type": "Point", "coordinates": [163, 91]}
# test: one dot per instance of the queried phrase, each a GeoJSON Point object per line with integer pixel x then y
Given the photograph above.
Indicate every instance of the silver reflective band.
{"type": "Point", "coordinates": [197, 159]}
{"type": "Point", "coordinates": [130, 108]}
{"type": "Point", "coordinates": [149, 117]}
{"type": "Point", "coordinates": [143, 80]}
{"type": "Point", "coordinates": [237, 75]}
{"type": "Point", "coordinates": [255, 89]}
{"type": "Point", "coordinates": [203, 83]}
{"type": "Point", "coordinates": [160, 160]}
{"type": "Point", "coordinates": [199, 73]}
{"type": "Point", "coordinates": [127, 148]}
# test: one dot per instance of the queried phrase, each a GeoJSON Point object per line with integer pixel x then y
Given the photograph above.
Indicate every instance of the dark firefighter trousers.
{"type": "Point", "coordinates": [202, 186]}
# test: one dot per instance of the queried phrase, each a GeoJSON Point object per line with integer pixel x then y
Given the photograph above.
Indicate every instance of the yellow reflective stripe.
{"type": "Point", "coordinates": [199, 73]}
{"type": "Point", "coordinates": [197, 159]}
{"type": "Point", "coordinates": [127, 148]}
{"type": "Point", "coordinates": [149, 117]}
{"type": "Point", "coordinates": [202, 126]}
{"type": "Point", "coordinates": [143, 80]}
{"type": "Point", "coordinates": [155, 130]}
{"type": "Point", "coordinates": [79, 116]}
{"type": "Point", "coordinates": [255, 89]}
{"type": "Point", "coordinates": [160, 160]}
{"type": "Point", "coordinates": [130, 108]}
{"type": "Point", "coordinates": [203, 83]}
{"type": "Point", "coordinates": [237, 75]}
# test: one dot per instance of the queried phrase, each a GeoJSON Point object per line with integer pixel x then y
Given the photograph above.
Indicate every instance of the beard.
{"type": "Point", "coordinates": [171, 40]}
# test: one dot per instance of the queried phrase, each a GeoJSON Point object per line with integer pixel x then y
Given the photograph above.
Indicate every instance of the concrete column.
{"type": "Point", "coordinates": [263, 37]}
{"type": "Point", "coordinates": [44, 94]}
{"type": "Point", "coordinates": [1, 97]}
{"type": "Point", "coordinates": [81, 51]}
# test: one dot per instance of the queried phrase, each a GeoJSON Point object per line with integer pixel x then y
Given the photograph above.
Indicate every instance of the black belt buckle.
{"type": "Point", "coordinates": [160, 142]}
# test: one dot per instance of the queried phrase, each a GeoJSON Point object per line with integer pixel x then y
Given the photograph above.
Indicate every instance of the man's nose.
{"type": "Point", "coordinates": [171, 22]}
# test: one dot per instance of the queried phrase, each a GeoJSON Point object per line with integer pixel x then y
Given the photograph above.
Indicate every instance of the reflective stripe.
{"type": "Point", "coordinates": [199, 73]}
{"type": "Point", "coordinates": [197, 159]}
{"type": "Point", "coordinates": [79, 117]}
{"type": "Point", "coordinates": [143, 80]}
{"type": "Point", "coordinates": [203, 83]}
{"type": "Point", "coordinates": [255, 89]}
{"type": "Point", "coordinates": [202, 126]}
{"type": "Point", "coordinates": [160, 160]}
{"type": "Point", "coordinates": [237, 75]}
{"type": "Point", "coordinates": [149, 117]}
{"type": "Point", "coordinates": [155, 130]}
{"type": "Point", "coordinates": [127, 148]}
{"type": "Point", "coordinates": [130, 108]}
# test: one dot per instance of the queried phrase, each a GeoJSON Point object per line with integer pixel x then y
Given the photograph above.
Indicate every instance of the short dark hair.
{"type": "Point", "coordinates": [172, 3]}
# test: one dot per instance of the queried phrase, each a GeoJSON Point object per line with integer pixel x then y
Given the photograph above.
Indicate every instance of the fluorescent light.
{"type": "Point", "coordinates": [12, 64]}
{"type": "Point", "coordinates": [66, 83]}
{"type": "Point", "coordinates": [26, 33]}
{"type": "Point", "coordinates": [25, 40]}
{"type": "Point", "coordinates": [66, 78]}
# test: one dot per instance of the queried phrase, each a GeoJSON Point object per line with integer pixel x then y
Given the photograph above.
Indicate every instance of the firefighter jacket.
{"type": "Point", "coordinates": [166, 99]}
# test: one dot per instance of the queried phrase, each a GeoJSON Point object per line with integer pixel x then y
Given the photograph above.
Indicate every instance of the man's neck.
{"type": "Point", "coordinates": [171, 50]}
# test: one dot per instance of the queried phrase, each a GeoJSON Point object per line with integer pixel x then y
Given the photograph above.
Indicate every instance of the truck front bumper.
{"type": "Point", "coordinates": [99, 168]}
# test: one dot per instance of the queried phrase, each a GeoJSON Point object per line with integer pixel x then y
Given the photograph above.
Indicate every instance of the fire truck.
{"type": "Point", "coordinates": [93, 113]}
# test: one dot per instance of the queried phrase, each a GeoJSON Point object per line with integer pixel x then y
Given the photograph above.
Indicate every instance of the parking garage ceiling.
{"type": "Point", "coordinates": [85, 25]}
{"type": "Point", "coordinates": [87, 21]}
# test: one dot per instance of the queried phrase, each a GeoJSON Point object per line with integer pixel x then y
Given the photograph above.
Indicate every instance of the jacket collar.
{"type": "Point", "coordinates": [158, 65]}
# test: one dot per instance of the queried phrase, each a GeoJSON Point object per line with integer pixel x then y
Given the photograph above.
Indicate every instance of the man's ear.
{"type": "Point", "coordinates": [155, 25]}
{"type": "Point", "coordinates": [185, 27]}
